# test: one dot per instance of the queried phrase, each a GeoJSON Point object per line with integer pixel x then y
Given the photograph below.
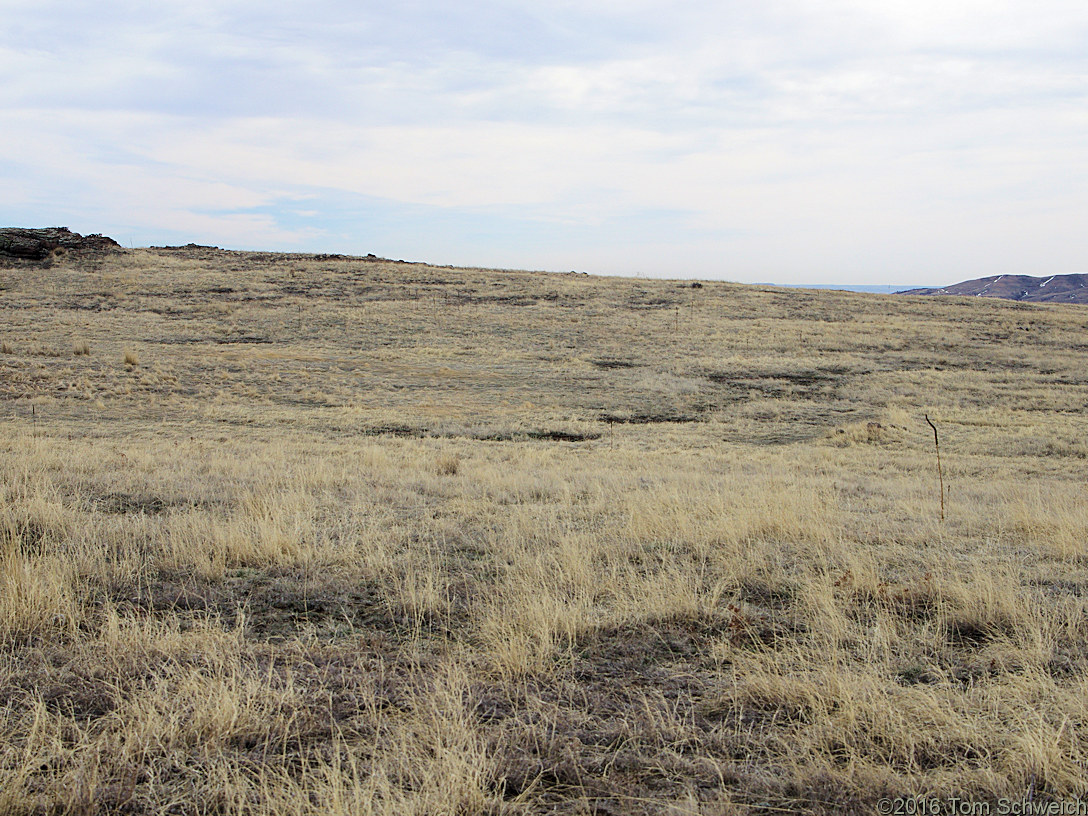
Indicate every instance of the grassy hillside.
{"type": "Point", "coordinates": [303, 534]}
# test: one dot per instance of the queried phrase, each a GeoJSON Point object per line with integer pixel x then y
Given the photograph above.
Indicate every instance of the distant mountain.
{"type": "Point", "coordinates": [1055, 289]}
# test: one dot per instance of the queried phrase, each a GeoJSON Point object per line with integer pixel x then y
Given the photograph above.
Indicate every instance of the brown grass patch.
{"type": "Point", "coordinates": [364, 536]}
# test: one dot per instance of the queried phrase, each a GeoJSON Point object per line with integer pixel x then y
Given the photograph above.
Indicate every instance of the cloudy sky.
{"type": "Point", "coordinates": [838, 141]}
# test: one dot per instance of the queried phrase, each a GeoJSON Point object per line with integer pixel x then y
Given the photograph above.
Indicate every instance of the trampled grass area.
{"type": "Point", "coordinates": [302, 534]}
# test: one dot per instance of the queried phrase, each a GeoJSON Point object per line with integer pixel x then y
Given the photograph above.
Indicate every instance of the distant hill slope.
{"type": "Point", "coordinates": [1054, 289]}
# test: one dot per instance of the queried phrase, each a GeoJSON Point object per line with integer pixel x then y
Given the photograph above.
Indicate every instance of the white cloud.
{"type": "Point", "coordinates": [795, 138]}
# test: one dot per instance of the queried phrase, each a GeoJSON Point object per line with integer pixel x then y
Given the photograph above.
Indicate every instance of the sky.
{"type": "Point", "coordinates": [789, 141]}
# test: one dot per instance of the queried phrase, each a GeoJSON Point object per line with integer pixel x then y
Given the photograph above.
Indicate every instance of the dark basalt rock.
{"type": "Point", "coordinates": [17, 243]}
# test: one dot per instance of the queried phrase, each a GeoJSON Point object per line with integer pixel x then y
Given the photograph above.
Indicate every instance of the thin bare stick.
{"type": "Point", "coordinates": [940, 473]}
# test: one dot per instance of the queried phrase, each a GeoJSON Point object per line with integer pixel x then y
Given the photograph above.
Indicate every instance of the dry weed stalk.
{"type": "Point", "coordinates": [940, 472]}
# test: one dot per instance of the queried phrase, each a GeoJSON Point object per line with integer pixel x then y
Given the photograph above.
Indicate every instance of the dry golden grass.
{"type": "Point", "coordinates": [357, 536]}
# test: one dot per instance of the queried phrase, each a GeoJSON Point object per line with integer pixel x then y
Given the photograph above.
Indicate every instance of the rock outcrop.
{"type": "Point", "coordinates": [17, 243]}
